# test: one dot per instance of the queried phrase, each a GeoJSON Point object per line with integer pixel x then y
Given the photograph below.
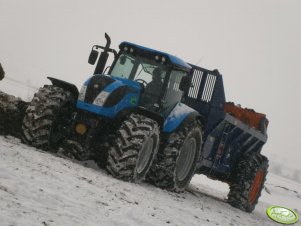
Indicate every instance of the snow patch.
{"type": "Point", "coordinates": [38, 188]}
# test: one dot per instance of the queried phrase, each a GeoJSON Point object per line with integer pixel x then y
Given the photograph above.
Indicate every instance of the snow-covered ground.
{"type": "Point", "coordinates": [38, 188]}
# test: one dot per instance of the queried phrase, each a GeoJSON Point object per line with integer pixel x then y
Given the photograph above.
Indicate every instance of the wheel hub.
{"type": "Point", "coordinates": [185, 159]}
{"type": "Point", "coordinates": [145, 155]}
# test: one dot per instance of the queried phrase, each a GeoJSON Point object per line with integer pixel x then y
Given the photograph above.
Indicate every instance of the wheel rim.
{"type": "Point", "coordinates": [256, 185]}
{"type": "Point", "coordinates": [186, 159]}
{"type": "Point", "coordinates": [145, 155]}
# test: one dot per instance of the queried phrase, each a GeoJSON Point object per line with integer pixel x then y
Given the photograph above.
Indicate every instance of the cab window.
{"type": "Point", "coordinates": [173, 93]}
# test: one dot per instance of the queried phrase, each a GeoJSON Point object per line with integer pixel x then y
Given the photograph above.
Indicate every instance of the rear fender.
{"type": "Point", "coordinates": [180, 115]}
{"type": "Point", "coordinates": [65, 85]}
{"type": "Point", "coordinates": [139, 110]}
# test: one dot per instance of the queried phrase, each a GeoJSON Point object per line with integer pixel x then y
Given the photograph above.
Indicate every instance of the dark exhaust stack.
{"type": "Point", "coordinates": [103, 56]}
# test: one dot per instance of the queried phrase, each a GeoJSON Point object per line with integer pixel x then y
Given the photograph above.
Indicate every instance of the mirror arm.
{"type": "Point", "coordinates": [108, 49]}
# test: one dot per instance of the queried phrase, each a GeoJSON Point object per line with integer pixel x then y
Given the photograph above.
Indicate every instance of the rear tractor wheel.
{"type": "Point", "coordinates": [176, 162]}
{"type": "Point", "coordinates": [133, 148]}
{"type": "Point", "coordinates": [248, 181]}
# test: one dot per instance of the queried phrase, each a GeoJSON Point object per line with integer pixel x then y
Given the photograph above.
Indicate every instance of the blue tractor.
{"type": "Point", "coordinates": [151, 115]}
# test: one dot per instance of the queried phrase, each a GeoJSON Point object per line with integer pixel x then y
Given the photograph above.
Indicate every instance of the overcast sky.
{"type": "Point", "coordinates": [256, 45]}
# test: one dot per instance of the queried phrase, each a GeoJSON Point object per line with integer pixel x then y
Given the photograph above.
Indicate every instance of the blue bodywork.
{"type": "Point", "coordinates": [126, 101]}
{"type": "Point", "coordinates": [171, 123]}
{"type": "Point", "coordinates": [176, 117]}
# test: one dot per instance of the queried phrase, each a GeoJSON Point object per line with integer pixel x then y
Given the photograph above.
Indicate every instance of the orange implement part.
{"type": "Point", "coordinates": [256, 186]}
{"type": "Point", "coordinates": [248, 116]}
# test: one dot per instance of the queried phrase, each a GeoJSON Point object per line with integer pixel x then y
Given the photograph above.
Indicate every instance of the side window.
{"type": "Point", "coordinates": [173, 94]}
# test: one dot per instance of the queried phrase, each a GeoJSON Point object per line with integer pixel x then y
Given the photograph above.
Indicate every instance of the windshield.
{"type": "Point", "coordinates": [149, 73]}
{"type": "Point", "coordinates": [137, 68]}
{"type": "Point", "coordinates": [152, 75]}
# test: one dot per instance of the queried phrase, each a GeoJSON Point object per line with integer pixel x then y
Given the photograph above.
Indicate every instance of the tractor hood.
{"type": "Point", "coordinates": [107, 95]}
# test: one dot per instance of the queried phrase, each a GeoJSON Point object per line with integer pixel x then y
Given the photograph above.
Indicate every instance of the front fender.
{"type": "Point", "coordinates": [177, 116]}
{"type": "Point", "coordinates": [65, 85]}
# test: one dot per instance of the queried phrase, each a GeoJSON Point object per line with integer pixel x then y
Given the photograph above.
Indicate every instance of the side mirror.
{"type": "Point", "coordinates": [93, 57]}
{"type": "Point", "coordinates": [185, 83]}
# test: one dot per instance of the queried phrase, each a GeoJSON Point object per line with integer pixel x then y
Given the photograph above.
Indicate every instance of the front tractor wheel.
{"type": "Point", "coordinates": [133, 148]}
{"type": "Point", "coordinates": [176, 162]}
{"type": "Point", "coordinates": [47, 117]}
{"type": "Point", "coordinates": [248, 181]}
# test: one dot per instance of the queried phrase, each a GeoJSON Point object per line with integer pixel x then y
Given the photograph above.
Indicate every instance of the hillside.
{"type": "Point", "coordinates": [38, 188]}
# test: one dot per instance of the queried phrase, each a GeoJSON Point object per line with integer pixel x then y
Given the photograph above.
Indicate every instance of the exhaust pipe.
{"type": "Point", "coordinates": [103, 58]}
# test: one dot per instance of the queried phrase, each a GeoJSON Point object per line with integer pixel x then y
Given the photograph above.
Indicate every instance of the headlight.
{"type": "Point", "coordinates": [101, 98]}
{"type": "Point", "coordinates": [82, 93]}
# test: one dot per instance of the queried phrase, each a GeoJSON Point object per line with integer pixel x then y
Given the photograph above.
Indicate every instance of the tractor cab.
{"type": "Point", "coordinates": [159, 74]}
{"type": "Point", "coordinates": [155, 75]}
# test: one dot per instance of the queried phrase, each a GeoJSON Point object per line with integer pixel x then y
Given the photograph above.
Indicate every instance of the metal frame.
{"type": "Point", "coordinates": [226, 138]}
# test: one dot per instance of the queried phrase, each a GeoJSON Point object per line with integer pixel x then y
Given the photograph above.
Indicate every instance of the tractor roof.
{"type": "Point", "coordinates": [172, 59]}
